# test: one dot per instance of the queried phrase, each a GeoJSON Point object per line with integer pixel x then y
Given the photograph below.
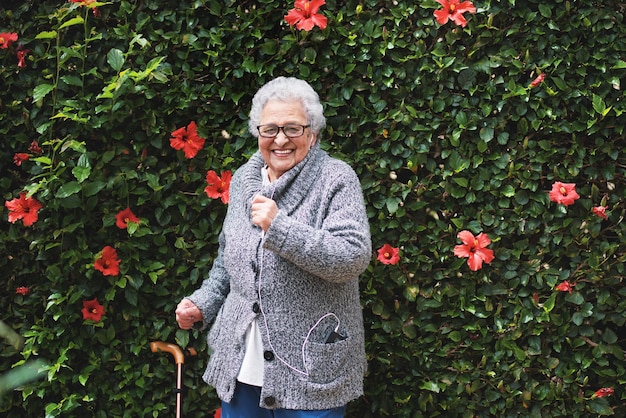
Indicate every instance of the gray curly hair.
{"type": "Point", "coordinates": [287, 89]}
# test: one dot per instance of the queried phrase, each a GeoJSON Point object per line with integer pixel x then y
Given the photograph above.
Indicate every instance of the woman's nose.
{"type": "Point", "coordinates": [281, 139]}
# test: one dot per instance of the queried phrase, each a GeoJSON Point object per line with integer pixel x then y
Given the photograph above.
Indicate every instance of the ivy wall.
{"type": "Point", "coordinates": [454, 129]}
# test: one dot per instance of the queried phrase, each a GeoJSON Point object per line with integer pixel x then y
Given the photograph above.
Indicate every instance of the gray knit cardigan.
{"type": "Point", "coordinates": [300, 280]}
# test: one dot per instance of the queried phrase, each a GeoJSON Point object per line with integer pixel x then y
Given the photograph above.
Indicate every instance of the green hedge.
{"type": "Point", "coordinates": [441, 124]}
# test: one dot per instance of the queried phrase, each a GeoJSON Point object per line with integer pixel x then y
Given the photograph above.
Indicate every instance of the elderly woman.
{"type": "Point", "coordinates": [287, 334]}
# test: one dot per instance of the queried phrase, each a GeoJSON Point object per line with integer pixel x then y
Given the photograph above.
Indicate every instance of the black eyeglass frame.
{"type": "Point", "coordinates": [282, 128]}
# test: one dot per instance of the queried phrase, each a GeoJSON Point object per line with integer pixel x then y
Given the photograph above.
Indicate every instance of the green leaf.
{"type": "Point", "coordinates": [78, 146]}
{"type": "Point", "coordinates": [43, 160]}
{"type": "Point", "coordinates": [486, 134]}
{"type": "Point", "coordinates": [72, 80]}
{"type": "Point", "coordinates": [82, 379]}
{"type": "Point", "coordinates": [459, 223]}
{"type": "Point", "coordinates": [598, 104]}
{"type": "Point", "coordinates": [600, 406]}
{"type": "Point", "coordinates": [549, 304]}
{"type": "Point", "coordinates": [609, 336]}
{"type": "Point", "coordinates": [73, 21]}
{"type": "Point", "coordinates": [575, 298]}
{"type": "Point", "coordinates": [115, 58]}
{"type": "Point", "coordinates": [461, 181]}
{"type": "Point", "coordinates": [42, 91]}
{"type": "Point", "coordinates": [457, 163]}
{"type": "Point", "coordinates": [81, 173]}
{"type": "Point", "coordinates": [68, 189]}
{"type": "Point", "coordinates": [182, 338]}
{"type": "Point", "coordinates": [132, 227]}
{"type": "Point", "coordinates": [310, 54]}
{"type": "Point", "coordinates": [92, 188]}
{"type": "Point", "coordinates": [545, 10]}
{"type": "Point", "coordinates": [522, 197]}
{"type": "Point", "coordinates": [508, 191]}
{"type": "Point", "coordinates": [46, 35]}
{"type": "Point", "coordinates": [392, 204]}
{"type": "Point", "coordinates": [430, 386]}
{"type": "Point", "coordinates": [553, 363]}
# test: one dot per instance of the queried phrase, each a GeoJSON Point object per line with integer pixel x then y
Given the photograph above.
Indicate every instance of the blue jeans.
{"type": "Point", "coordinates": [245, 404]}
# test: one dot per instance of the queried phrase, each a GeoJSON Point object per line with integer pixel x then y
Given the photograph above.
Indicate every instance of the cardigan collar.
{"type": "Point", "coordinates": [291, 187]}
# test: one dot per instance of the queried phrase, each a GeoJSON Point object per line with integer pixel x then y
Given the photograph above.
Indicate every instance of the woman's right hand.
{"type": "Point", "coordinates": [187, 314]}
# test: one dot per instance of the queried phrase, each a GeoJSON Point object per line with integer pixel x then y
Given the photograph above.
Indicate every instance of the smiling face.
{"type": "Point", "coordinates": [282, 153]}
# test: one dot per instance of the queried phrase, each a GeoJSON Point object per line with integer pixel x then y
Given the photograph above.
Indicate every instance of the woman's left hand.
{"type": "Point", "coordinates": [263, 211]}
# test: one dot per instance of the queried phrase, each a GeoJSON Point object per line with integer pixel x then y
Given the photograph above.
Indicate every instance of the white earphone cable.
{"type": "Point", "coordinates": [304, 372]}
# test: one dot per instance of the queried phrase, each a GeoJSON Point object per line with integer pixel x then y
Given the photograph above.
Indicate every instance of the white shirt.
{"type": "Point", "coordinates": [251, 371]}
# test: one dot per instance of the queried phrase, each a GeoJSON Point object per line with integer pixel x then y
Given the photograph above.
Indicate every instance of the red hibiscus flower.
{"type": "Point", "coordinates": [600, 211]}
{"type": "Point", "coordinates": [305, 15]}
{"type": "Point", "coordinates": [453, 10]}
{"type": "Point", "coordinates": [601, 393]}
{"type": "Point", "coordinates": [92, 310]}
{"type": "Point", "coordinates": [24, 208]}
{"type": "Point", "coordinates": [125, 216]}
{"type": "Point", "coordinates": [218, 413]}
{"type": "Point", "coordinates": [20, 157]}
{"type": "Point", "coordinates": [22, 290]}
{"type": "Point", "coordinates": [108, 263]}
{"type": "Point", "coordinates": [565, 286]}
{"type": "Point", "coordinates": [21, 57]}
{"type": "Point", "coordinates": [563, 193]}
{"type": "Point", "coordinates": [35, 148]}
{"type": "Point", "coordinates": [537, 80]}
{"type": "Point", "coordinates": [388, 254]}
{"type": "Point", "coordinates": [218, 187]}
{"type": "Point", "coordinates": [187, 139]}
{"type": "Point", "coordinates": [88, 3]}
{"type": "Point", "coordinates": [536, 298]}
{"type": "Point", "coordinates": [6, 38]}
{"type": "Point", "coordinates": [473, 248]}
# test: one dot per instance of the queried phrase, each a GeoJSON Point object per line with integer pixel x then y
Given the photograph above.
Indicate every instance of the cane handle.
{"type": "Point", "coordinates": [173, 349]}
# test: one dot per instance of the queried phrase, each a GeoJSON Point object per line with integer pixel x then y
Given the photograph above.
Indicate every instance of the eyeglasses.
{"type": "Point", "coordinates": [291, 131]}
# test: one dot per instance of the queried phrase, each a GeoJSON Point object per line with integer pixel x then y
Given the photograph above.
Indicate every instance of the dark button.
{"type": "Point", "coordinates": [268, 355]}
{"type": "Point", "coordinates": [256, 308]}
{"type": "Point", "coordinates": [269, 400]}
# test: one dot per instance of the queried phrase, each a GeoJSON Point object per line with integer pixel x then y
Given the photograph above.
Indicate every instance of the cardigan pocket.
{"type": "Point", "coordinates": [328, 362]}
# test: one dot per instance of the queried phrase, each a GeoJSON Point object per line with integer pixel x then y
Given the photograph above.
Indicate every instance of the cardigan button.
{"type": "Point", "coordinates": [269, 400]}
{"type": "Point", "coordinates": [268, 355]}
{"type": "Point", "coordinates": [256, 308]}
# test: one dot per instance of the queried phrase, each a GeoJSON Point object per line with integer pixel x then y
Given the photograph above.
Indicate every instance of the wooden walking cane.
{"type": "Point", "coordinates": [179, 358]}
